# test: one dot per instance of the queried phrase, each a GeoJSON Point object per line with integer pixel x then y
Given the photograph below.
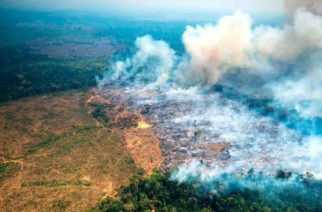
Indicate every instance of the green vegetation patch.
{"type": "Point", "coordinates": [38, 78]}
{"type": "Point", "coordinates": [100, 114]}
{"type": "Point", "coordinates": [56, 183]}
{"type": "Point", "coordinates": [160, 193]}
{"type": "Point", "coordinates": [43, 144]}
{"type": "Point", "coordinates": [8, 170]}
{"type": "Point", "coordinates": [24, 73]}
{"type": "Point", "coordinates": [3, 167]}
{"type": "Point", "coordinates": [61, 204]}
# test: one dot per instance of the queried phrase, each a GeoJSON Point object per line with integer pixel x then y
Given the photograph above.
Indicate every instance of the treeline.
{"type": "Point", "coordinates": [160, 193]}
{"type": "Point", "coordinates": [24, 74]}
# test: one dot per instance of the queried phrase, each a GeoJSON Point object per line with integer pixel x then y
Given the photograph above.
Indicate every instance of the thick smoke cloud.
{"type": "Point", "coordinates": [304, 94]}
{"type": "Point", "coordinates": [233, 43]}
{"type": "Point", "coordinates": [152, 62]}
{"type": "Point", "coordinates": [213, 49]}
{"type": "Point", "coordinates": [297, 45]}
{"type": "Point", "coordinates": [305, 34]}
{"type": "Point", "coordinates": [287, 60]}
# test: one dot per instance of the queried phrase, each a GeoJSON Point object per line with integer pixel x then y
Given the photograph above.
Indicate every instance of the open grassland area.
{"type": "Point", "coordinates": [57, 152]}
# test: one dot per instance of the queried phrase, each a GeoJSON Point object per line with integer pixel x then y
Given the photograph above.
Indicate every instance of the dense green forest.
{"type": "Point", "coordinates": [24, 73]}
{"type": "Point", "coordinates": [160, 193]}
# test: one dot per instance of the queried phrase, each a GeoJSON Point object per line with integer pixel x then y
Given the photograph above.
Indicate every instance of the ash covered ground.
{"type": "Point", "coordinates": [270, 119]}
{"type": "Point", "coordinates": [216, 134]}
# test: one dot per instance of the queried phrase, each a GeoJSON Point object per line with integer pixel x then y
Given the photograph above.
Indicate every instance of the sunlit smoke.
{"type": "Point", "coordinates": [283, 62]}
{"type": "Point", "coordinates": [213, 49]}
{"type": "Point", "coordinates": [233, 43]}
{"type": "Point", "coordinates": [152, 62]}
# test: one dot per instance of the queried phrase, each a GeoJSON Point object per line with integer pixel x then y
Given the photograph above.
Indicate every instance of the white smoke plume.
{"type": "Point", "coordinates": [215, 49]}
{"type": "Point", "coordinates": [305, 34]}
{"type": "Point", "coordinates": [152, 62]}
{"type": "Point", "coordinates": [234, 44]}
{"type": "Point", "coordinates": [286, 58]}
{"type": "Point", "coordinates": [304, 94]}
{"type": "Point", "coordinates": [212, 51]}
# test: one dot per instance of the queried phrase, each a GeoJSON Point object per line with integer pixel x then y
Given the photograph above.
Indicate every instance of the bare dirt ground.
{"type": "Point", "coordinates": [140, 140]}
{"type": "Point", "coordinates": [144, 148]}
{"type": "Point", "coordinates": [54, 156]}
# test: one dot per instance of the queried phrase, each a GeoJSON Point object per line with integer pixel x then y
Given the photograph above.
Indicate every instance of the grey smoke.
{"type": "Point", "coordinates": [287, 61]}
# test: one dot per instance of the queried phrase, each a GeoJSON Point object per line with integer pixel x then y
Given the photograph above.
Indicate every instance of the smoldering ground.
{"type": "Point", "coordinates": [252, 90]}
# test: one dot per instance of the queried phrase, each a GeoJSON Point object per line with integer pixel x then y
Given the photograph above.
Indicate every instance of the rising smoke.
{"type": "Point", "coordinates": [233, 43]}
{"type": "Point", "coordinates": [152, 62]}
{"type": "Point", "coordinates": [286, 60]}
{"type": "Point", "coordinates": [265, 52]}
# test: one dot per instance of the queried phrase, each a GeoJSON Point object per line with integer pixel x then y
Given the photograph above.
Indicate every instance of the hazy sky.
{"type": "Point", "coordinates": [195, 6]}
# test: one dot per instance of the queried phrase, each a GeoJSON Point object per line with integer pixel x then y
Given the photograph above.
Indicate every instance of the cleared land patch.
{"type": "Point", "coordinates": [57, 153]}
